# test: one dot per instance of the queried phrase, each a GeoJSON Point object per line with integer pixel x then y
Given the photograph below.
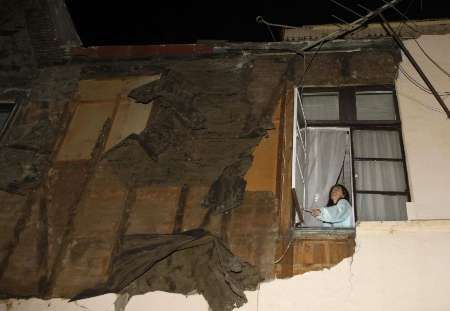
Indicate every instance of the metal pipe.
{"type": "Point", "coordinates": [399, 42]}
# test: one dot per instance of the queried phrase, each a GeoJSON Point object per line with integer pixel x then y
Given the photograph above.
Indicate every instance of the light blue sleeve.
{"type": "Point", "coordinates": [335, 213]}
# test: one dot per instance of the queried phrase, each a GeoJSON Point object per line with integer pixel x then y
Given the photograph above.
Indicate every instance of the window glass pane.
{"type": "Point", "coordinates": [3, 118]}
{"type": "Point", "coordinates": [5, 111]}
{"type": "Point", "coordinates": [375, 106]}
{"type": "Point", "coordinates": [300, 117]}
{"type": "Point", "coordinates": [376, 144]}
{"type": "Point", "coordinates": [321, 106]}
{"type": "Point", "coordinates": [381, 207]}
{"type": "Point", "coordinates": [380, 176]}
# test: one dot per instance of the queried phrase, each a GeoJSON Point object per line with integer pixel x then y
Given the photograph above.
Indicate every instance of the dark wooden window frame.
{"type": "Point", "coordinates": [12, 112]}
{"type": "Point", "coordinates": [347, 118]}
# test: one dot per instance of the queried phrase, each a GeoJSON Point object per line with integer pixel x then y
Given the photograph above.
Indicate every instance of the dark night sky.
{"type": "Point", "coordinates": [102, 22]}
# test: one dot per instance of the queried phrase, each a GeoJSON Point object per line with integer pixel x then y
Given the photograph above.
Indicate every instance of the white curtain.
{"type": "Point", "coordinates": [323, 106]}
{"type": "Point", "coordinates": [375, 106]}
{"type": "Point", "coordinates": [326, 150]}
{"type": "Point", "coordinates": [371, 175]}
{"type": "Point", "coordinates": [372, 207]}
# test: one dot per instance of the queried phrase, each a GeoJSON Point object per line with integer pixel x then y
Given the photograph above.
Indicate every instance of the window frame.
{"type": "Point", "coordinates": [10, 117]}
{"type": "Point", "coordinates": [347, 118]}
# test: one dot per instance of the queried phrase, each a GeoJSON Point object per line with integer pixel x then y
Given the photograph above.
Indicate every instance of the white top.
{"type": "Point", "coordinates": [338, 216]}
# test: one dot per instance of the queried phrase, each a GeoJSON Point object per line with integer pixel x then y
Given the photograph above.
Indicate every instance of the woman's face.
{"type": "Point", "coordinates": [336, 194]}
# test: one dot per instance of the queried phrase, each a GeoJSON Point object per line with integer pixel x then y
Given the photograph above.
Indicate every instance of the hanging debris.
{"type": "Point", "coordinates": [192, 261]}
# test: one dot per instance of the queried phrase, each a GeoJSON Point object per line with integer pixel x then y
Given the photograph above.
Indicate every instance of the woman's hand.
{"type": "Point", "coordinates": [315, 212]}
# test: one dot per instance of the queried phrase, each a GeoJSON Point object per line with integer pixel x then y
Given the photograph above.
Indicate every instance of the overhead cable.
{"type": "Point", "coordinates": [405, 22]}
{"type": "Point", "coordinates": [432, 60]}
{"type": "Point", "coordinates": [387, 27]}
{"type": "Point", "coordinates": [261, 20]}
{"type": "Point", "coordinates": [418, 84]}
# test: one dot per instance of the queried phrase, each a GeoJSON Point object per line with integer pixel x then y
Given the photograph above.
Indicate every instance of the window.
{"type": "Point", "coordinates": [350, 136]}
{"type": "Point", "coordinates": [6, 113]}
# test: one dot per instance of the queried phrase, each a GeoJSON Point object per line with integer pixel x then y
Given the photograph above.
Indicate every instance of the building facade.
{"type": "Point", "coordinates": [102, 146]}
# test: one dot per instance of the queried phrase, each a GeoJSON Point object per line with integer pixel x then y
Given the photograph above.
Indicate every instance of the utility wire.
{"type": "Point", "coordinates": [306, 68]}
{"type": "Point", "coordinates": [285, 251]}
{"type": "Point", "coordinates": [405, 22]}
{"type": "Point", "coordinates": [261, 20]}
{"type": "Point", "coordinates": [424, 105]}
{"type": "Point", "coordinates": [404, 15]}
{"type": "Point", "coordinates": [418, 84]}
{"type": "Point", "coordinates": [432, 60]}
{"type": "Point", "coordinates": [271, 32]}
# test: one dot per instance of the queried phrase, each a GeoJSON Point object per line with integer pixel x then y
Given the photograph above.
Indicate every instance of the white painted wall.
{"type": "Point", "coordinates": [426, 130]}
{"type": "Point", "coordinates": [396, 266]}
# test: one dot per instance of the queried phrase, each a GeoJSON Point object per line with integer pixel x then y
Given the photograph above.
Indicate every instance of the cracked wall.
{"type": "Point", "coordinates": [396, 266]}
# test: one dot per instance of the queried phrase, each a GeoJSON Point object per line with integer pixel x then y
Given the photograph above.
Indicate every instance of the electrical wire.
{"type": "Point", "coordinates": [306, 68]}
{"type": "Point", "coordinates": [261, 20]}
{"type": "Point", "coordinates": [432, 60]}
{"type": "Point", "coordinates": [431, 108]}
{"type": "Point", "coordinates": [405, 15]}
{"type": "Point", "coordinates": [422, 88]}
{"type": "Point", "coordinates": [271, 32]}
{"type": "Point", "coordinates": [405, 22]}
{"type": "Point", "coordinates": [418, 84]}
{"type": "Point", "coordinates": [285, 251]}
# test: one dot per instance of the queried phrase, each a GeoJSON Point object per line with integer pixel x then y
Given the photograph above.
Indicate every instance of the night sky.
{"type": "Point", "coordinates": [103, 22]}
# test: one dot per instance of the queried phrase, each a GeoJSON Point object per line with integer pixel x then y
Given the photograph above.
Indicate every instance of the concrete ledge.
{"type": "Point", "coordinates": [438, 225]}
{"type": "Point", "coordinates": [323, 233]}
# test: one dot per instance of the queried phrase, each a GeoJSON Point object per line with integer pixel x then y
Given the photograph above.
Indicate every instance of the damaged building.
{"type": "Point", "coordinates": [163, 177]}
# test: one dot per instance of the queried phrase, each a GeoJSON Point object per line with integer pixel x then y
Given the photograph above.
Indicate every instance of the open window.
{"type": "Point", "coordinates": [351, 136]}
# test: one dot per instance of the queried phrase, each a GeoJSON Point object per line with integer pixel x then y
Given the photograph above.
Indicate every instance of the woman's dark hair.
{"type": "Point", "coordinates": [344, 192]}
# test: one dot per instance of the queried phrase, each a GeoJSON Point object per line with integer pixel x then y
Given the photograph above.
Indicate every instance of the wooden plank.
{"type": "Point", "coordinates": [285, 211]}
{"type": "Point", "coordinates": [179, 215]}
{"type": "Point", "coordinates": [320, 253]}
{"type": "Point", "coordinates": [154, 210]}
{"type": "Point", "coordinates": [131, 118]}
{"type": "Point", "coordinates": [66, 183]}
{"type": "Point", "coordinates": [284, 268]}
{"type": "Point", "coordinates": [84, 130]}
{"type": "Point", "coordinates": [262, 175]}
{"type": "Point", "coordinates": [95, 225]}
{"type": "Point", "coordinates": [100, 90]}
{"type": "Point", "coordinates": [252, 230]}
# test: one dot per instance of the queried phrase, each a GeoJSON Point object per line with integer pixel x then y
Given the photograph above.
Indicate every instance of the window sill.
{"type": "Point", "coordinates": [323, 233]}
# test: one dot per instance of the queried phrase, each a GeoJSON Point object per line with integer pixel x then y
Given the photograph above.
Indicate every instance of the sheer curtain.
{"type": "Point", "coordinates": [326, 150]}
{"type": "Point", "coordinates": [379, 175]}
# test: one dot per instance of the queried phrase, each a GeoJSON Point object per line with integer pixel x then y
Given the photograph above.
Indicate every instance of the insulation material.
{"type": "Point", "coordinates": [182, 263]}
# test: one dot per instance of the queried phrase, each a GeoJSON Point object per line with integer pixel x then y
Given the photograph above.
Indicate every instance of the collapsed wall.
{"type": "Point", "coordinates": [82, 178]}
